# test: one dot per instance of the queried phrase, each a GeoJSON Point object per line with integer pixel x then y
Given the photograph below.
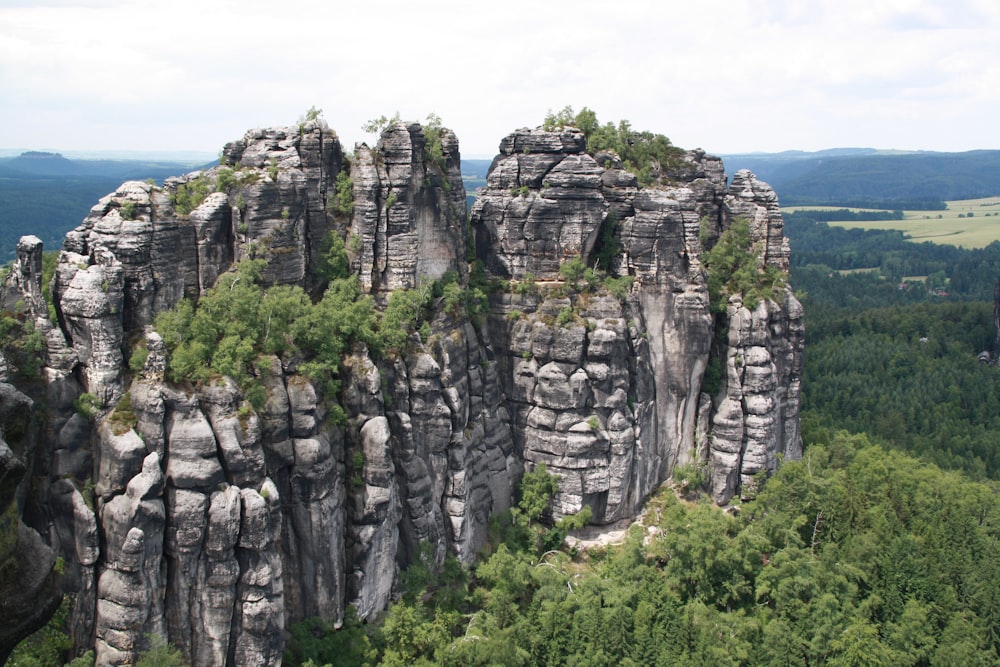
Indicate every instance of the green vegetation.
{"type": "Point", "coordinates": [123, 418]}
{"type": "Point", "coordinates": [137, 360]}
{"type": "Point", "coordinates": [333, 262]}
{"type": "Point", "coordinates": [226, 180]}
{"type": "Point", "coordinates": [580, 278]}
{"type": "Point", "coordinates": [377, 125]}
{"type": "Point", "coordinates": [689, 479]}
{"type": "Point", "coordinates": [827, 214]}
{"type": "Point", "coordinates": [735, 268]}
{"type": "Point", "coordinates": [651, 157]}
{"type": "Point", "coordinates": [343, 201]}
{"type": "Point", "coordinates": [312, 114]}
{"type": "Point", "coordinates": [433, 149]}
{"type": "Point", "coordinates": [852, 556]}
{"type": "Point", "coordinates": [50, 646]}
{"type": "Point", "coordinates": [189, 195]}
{"type": "Point", "coordinates": [127, 210]}
{"type": "Point", "coordinates": [316, 642]}
{"type": "Point", "coordinates": [898, 360]}
{"type": "Point", "coordinates": [22, 345]}
{"type": "Point", "coordinates": [403, 315]}
{"type": "Point", "coordinates": [239, 320]}
{"type": "Point", "coordinates": [932, 396]}
{"type": "Point", "coordinates": [160, 654]}
{"type": "Point", "coordinates": [87, 405]}
{"type": "Point", "coordinates": [470, 302]}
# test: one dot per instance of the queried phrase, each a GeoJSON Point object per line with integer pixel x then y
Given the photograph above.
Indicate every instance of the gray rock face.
{"type": "Point", "coordinates": [613, 409]}
{"type": "Point", "coordinates": [29, 588]}
{"type": "Point", "coordinates": [757, 419]}
{"type": "Point", "coordinates": [268, 199]}
{"type": "Point", "coordinates": [409, 210]}
{"type": "Point", "coordinates": [542, 206]}
{"type": "Point", "coordinates": [216, 524]}
{"type": "Point", "coordinates": [24, 282]}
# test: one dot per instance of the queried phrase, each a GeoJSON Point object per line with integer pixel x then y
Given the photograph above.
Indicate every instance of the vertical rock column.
{"type": "Point", "coordinates": [258, 621]}
{"type": "Point", "coordinates": [90, 298]}
{"type": "Point", "coordinates": [131, 581]}
{"type": "Point", "coordinates": [409, 210]}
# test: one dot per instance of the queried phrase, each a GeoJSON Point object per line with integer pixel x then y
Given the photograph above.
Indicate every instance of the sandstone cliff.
{"type": "Point", "coordinates": [184, 511]}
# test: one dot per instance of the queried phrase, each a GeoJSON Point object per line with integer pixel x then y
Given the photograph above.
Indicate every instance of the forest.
{"type": "Point", "coordinates": [851, 556]}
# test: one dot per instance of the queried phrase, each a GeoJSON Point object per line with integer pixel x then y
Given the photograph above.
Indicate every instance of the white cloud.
{"type": "Point", "coordinates": [763, 75]}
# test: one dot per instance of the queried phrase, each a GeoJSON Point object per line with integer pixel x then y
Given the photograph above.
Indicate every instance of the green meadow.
{"type": "Point", "coordinates": [966, 223]}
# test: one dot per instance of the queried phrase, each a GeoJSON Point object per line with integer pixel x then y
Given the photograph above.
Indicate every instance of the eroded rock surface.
{"type": "Point", "coordinates": [409, 210]}
{"type": "Point", "coordinates": [185, 512]}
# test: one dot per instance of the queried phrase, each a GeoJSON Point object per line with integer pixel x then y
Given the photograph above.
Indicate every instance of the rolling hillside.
{"type": "Point", "coordinates": [865, 177]}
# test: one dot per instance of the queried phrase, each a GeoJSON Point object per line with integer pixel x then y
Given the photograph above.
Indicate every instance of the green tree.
{"type": "Point", "coordinates": [160, 654]}
{"type": "Point", "coordinates": [378, 125]}
{"type": "Point", "coordinates": [650, 156]}
{"type": "Point", "coordinates": [734, 267]}
{"type": "Point", "coordinates": [316, 641]}
{"type": "Point", "coordinates": [537, 489]}
{"type": "Point", "coordinates": [343, 199]}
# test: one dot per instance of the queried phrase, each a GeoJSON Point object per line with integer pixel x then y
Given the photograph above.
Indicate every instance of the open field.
{"type": "Point", "coordinates": [967, 223]}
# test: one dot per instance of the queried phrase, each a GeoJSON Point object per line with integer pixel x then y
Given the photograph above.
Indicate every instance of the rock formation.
{"type": "Point", "coordinates": [184, 511]}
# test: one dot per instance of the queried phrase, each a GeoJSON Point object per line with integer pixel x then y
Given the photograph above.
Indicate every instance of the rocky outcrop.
{"type": "Point", "coordinates": [612, 408]}
{"type": "Point", "coordinates": [409, 208]}
{"type": "Point", "coordinates": [194, 513]}
{"type": "Point", "coordinates": [30, 590]}
{"type": "Point", "coordinates": [542, 206]}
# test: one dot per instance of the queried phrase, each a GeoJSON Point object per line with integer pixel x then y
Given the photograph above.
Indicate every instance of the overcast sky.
{"type": "Point", "coordinates": [733, 76]}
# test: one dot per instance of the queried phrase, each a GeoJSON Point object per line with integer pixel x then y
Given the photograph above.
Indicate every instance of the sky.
{"type": "Point", "coordinates": [729, 77]}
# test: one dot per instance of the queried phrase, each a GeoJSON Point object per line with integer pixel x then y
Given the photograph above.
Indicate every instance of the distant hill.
{"type": "Point", "coordinates": [47, 194]}
{"type": "Point", "coordinates": [860, 176]}
{"type": "Point", "coordinates": [474, 174]}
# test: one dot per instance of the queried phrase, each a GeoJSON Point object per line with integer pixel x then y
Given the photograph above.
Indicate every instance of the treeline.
{"type": "Point", "coordinates": [849, 557]}
{"type": "Point", "coordinates": [840, 214]}
{"type": "Point", "coordinates": [906, 204]}
{"type": "Point", "coordinates": [844, 180]}
{"type": "Point", "coordinates": [822, 250]}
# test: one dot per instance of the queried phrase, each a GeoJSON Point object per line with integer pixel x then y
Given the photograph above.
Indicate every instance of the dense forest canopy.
{"type": "Point", "coordinates": [851, 556]}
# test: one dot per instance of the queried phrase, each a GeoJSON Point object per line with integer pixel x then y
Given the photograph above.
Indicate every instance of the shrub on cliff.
{"type": "Point", "coordinates": [240, 319]}
{"type": "Point", "coordinates": [735, 268]}
{"type": "Point", "coordinates": [646, 154]}
{"type": "Point", "coordinates": [21, 343]}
